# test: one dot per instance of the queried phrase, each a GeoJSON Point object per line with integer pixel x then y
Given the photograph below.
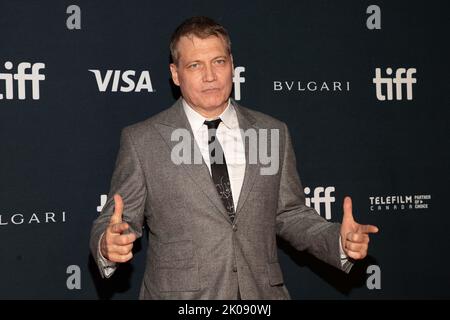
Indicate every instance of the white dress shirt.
{"type": "Point", "coordinates": [230, 139]}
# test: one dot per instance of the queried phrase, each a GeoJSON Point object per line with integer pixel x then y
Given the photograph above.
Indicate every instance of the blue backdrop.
{"type": "Point", "coordinates": [362, 85]}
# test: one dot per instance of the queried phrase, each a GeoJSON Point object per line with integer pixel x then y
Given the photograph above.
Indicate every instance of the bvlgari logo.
{"type": "Point", "coordinates": [305, 86]}
{"type": "Point", "coordinates": [33, 218]}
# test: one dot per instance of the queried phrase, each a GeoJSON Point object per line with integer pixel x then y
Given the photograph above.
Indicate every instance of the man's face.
{"type": "Point", "coordinates": [204, 73]}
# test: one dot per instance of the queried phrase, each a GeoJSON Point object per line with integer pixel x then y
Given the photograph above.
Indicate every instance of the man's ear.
{"type": "Point", "coordinates": [174, 72]}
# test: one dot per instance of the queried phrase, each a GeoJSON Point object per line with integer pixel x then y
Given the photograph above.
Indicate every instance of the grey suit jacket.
{"type": "Point", "coordinates": [194, 251]}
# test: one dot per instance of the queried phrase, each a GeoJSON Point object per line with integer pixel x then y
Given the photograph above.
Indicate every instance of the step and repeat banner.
{"type": "Point", "coordinates": [363, 86]}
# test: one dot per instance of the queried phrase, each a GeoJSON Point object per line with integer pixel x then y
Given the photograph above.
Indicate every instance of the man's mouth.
{"type": "Point", "coordinates": [210, 90]}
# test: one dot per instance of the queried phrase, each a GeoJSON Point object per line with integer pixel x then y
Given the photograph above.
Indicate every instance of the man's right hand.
{"type": "Point", "coordinates": [117, 241]}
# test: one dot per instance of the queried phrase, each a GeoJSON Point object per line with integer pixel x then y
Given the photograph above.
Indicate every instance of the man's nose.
{"type": "Point", "coordinates": [209, 74]}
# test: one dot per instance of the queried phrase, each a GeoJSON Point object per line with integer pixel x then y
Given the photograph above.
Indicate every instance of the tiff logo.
{"type": "Point", "coordinates": [21, 77]}
{"type": "Point", "coordinates": [317, 199]}
{"type": "Point", "coordinates": [237, 80]}
{"type": "Point", "coordinates": [402, 77]}
{"type": "Point", "coordinates": [123, 81]}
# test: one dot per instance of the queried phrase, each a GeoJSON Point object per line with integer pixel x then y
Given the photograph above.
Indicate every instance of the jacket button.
{"type": "Point", "coordinates": [234, 227]}
{"type": "Point", "coordinates": [234, 269]}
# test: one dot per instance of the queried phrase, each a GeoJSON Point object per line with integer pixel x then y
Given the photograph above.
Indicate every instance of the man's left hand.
{"type": "Point", "coordinates": [354, 236]}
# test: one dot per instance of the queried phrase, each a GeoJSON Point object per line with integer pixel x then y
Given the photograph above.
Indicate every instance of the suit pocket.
{"type": "Point", "coordinates": [176, 280]}
{"type": "Point", "coordinates": [177, 269]}
{"type": "Point", "coordinates": [175, 251]}
{"type": "Point", "coordinates": [275, 274]}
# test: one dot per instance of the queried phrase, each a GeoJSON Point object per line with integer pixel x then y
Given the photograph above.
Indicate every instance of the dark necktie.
{"type": "Point", "coordinates": [219, 171]}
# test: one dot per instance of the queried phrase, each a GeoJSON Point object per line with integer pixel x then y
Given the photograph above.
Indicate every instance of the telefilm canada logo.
{"type": "Point", "coordinates": [393, 203]}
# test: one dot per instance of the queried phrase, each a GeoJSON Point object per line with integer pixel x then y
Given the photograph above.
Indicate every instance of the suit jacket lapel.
{"type": "Point", "coordinates": [175, 118]}
{"type": "Point", "coordinates": [246, 121]}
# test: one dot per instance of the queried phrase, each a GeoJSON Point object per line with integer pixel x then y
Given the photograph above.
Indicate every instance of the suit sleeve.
{"type": "Point", "coordinates": [300, 225]}
{"type": "Point", "coordinates": [129, 182]}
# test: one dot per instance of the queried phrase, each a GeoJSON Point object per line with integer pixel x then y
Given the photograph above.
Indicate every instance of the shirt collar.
{"type": "Point", "coordinates": [196, 120]}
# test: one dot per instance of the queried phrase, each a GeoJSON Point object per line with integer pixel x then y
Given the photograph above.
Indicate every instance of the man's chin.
{"type": "Point", "coordinates": [213, 104]}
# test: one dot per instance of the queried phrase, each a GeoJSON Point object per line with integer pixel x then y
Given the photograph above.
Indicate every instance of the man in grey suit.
{"type": "Point", "coordinates": [213, 217]}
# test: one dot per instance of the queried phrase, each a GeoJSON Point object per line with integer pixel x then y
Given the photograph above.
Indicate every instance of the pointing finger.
{"type": "Point", "coordinates": [368, 228]}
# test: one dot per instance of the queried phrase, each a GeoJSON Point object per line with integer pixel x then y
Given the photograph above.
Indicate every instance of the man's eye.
{"type": "Point", "coordinates": [221, 61]}
{"type": "Point", "coordinates": [194, 66]}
